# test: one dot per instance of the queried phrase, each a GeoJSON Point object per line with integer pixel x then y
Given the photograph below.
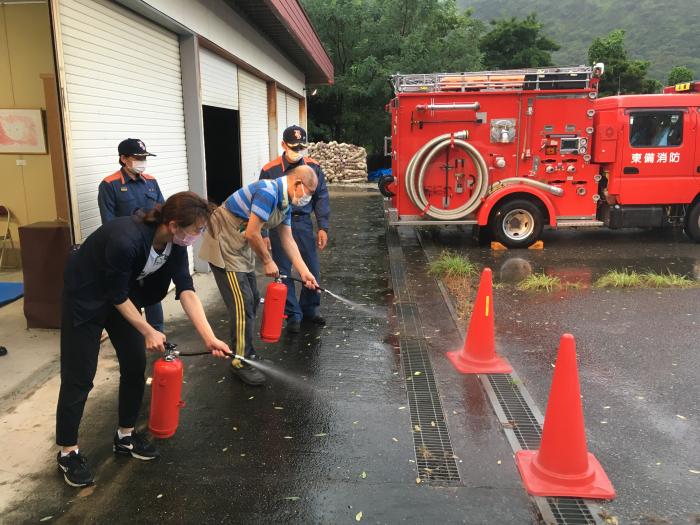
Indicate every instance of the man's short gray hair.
{"type": "Point", "coordinates": [305, 174]}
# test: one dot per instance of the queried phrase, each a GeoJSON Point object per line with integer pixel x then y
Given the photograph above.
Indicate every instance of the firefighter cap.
{"type": "Point", "coordinates": [133, 147]}
{"type": "Point", "coordinates": [295, 136]}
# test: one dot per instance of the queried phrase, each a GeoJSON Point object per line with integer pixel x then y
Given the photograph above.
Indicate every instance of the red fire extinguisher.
{"type": "Point", "coordinates": [273, 311]}
{"type": "Point", "coordinates": [166, 388]}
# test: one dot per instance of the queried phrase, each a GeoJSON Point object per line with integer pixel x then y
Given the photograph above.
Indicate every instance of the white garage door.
{"type": "Point", "coordinates": [287, 112]}
{"type": "Point", "coordinates": [219, 80]}
{"type": "Point", "coordinates": [122, 76]}
{"type": "Point", "coordinates": [292, 110]}
{"type": "Point", "coordinates": [255, 153]}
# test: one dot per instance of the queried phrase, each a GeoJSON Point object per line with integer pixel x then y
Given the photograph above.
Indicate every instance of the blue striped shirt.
{"type": "Point", "coordinates": [261, 198]}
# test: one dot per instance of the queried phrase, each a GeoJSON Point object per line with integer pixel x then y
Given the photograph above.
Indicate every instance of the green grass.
{"type": "Point", "coordinates": [449, 264]}
{"type": "Point", "coordinates": [538, 282]}
{"type": "Point", "coordinates": [631, 279]}
{"type": "Point", "coordinates": [619, 279]}
{"type": "Point", "coordinates": [668, 280]}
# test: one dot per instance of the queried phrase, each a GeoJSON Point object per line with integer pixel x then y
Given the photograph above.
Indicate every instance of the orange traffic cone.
{"type": "Point", "coordinates": [479, 353]}
{"type": "Point", "coordinates": [563, 466]}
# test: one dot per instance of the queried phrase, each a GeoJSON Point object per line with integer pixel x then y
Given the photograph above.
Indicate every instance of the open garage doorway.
{"type": "Point", "coordinates": [222, 152]}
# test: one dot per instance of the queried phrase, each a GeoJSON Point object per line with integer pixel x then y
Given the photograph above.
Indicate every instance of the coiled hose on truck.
{"type": "Point", "coordinates": [415, 174]}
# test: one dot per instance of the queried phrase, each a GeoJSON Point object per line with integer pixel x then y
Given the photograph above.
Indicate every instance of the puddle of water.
{"type": "Point", "coordinates": [582, 257]}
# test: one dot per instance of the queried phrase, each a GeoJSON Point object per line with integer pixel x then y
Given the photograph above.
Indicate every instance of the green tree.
{"type": "Point", "coordinates": [680, 74]}
{"type": "Point", "coordinates": [517, 43]}
{"type": "Point", "coordinates": [368, 41]}
{"type": "Point", "coordinates": [622, 74]}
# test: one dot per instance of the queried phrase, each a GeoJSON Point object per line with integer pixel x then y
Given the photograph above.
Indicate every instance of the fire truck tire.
{"type": "Point", "coordinates": [517, 223]}
{"type": "Point", "coordinates": [692, 222]}
{"type": "Point", "coordinates": [383, 183]}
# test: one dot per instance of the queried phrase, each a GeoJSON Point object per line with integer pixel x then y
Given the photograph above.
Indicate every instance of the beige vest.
{"type": "Point", "coordinates": [227, 247]}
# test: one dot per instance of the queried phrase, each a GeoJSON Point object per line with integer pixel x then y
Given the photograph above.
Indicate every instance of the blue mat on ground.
{"type": "Point", "coordinates": [374, 175]}
{"type": "Point", "coordinates": [10, 292]}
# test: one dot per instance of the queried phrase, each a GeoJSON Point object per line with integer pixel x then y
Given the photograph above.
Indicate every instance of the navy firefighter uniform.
{"type": "Point", "coordinates": [121, 196]}
{"type": "Point", "coordinates": [306, 306]}
{"type": "Point", "coordinates": [127, 191]}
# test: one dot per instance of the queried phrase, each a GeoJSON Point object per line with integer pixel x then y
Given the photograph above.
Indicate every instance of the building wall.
{"type": "Point", "coordinates": [25, 54]}
{"type": "Point", "coordinates": [217, 22]}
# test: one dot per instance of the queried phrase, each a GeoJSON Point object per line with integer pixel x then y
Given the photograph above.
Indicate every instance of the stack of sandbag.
{"type": "Point", "coordinates": [340, 162]}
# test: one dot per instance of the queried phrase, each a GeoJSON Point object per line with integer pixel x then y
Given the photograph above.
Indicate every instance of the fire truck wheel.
{"type": "Point", "coordinates": [517, 223]}
{"type": "Point", "coordinates": [692, 223]}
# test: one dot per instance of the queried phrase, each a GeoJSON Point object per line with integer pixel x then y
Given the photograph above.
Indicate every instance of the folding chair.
{"type": "Point", "coordinates": [5, 233]}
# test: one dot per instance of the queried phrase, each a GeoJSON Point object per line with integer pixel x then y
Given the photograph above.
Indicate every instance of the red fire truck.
{"type": "Point", "coordinates": [512, 151]}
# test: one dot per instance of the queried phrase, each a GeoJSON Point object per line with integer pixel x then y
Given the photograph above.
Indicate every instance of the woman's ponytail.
{"type": "Point", "coordinates": [152, 216]}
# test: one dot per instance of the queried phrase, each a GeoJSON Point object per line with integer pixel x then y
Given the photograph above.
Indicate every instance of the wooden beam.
{"type": "Point", "coordinates": [302, 114]}
{"type": "Point", "coordinates": [56, 150]}
{"type": "Point", "coordinates": [272, 118]}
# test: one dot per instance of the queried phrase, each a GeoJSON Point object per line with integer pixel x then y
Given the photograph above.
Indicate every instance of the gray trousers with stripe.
{"type": "Point", "coordinates": [240, 293]}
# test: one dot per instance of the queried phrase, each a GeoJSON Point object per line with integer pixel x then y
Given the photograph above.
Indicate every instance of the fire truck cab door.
{"type": "Point", "coordinates": [658, 156]}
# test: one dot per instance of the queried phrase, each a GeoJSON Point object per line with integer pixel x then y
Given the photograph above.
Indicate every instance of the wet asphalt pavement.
{"type": "Point", "coordinates": [639, 361]}
{"type": "Point", "coordinates": [337, 438]}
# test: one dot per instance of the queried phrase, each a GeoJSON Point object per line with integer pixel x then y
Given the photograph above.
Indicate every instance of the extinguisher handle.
{"type": "Point", "coordinates": [170, 351]}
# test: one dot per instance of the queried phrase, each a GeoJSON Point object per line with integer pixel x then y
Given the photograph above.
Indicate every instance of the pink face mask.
{"type": "Point", "coordinates": [187, 239]}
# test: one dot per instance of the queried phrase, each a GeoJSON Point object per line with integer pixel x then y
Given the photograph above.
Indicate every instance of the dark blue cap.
{"type": "Point", "coordinates": [295, 136]}
{"type": "Point", "coordinates": [133, 147]}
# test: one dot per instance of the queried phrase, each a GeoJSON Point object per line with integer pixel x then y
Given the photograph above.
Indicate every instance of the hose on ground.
{"type": "Point", "coordinates": [417, 167]}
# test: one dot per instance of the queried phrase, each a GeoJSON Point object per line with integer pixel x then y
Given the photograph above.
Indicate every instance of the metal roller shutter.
{"type": "Point", "coordinates": [122, 79]}
{"type": "Point", "coordinates": [292, 110]}
{"type": "Point", "coordinates": [219, 80]}
{"type": "Point", "coordinates": [255, 142]}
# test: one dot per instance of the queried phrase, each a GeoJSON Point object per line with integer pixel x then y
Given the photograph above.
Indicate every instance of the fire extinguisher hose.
{"type": "Point", "coordinates": [417, 167]}
{"type": "Point", "coordinates": [171, 349]}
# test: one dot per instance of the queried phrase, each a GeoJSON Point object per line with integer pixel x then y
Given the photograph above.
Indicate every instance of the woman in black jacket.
{"type": "Point", "coordinates": [123, 266]}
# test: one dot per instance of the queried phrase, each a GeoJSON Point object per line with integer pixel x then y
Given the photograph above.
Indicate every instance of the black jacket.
{"type": "Point", "coordinates": [104, 270]}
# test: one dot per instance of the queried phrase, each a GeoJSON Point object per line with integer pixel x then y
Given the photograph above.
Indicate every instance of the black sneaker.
{"type": "Point", "coordinates": [293, 326]}
{"type": "Point", "coordinates": [316, 319]}
{"type": "Point", "coordinates": [75, 469]}
{"type": "Point", "coordinates": [136, 445]}
{"type": "Point", "coordinates": [246, 373]}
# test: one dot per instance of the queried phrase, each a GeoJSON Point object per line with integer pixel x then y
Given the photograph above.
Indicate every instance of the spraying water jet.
{"type": "Point", "coordinates": [351, 304]}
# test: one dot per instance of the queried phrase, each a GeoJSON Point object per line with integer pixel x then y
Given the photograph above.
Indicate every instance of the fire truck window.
{"type": "Point", "coordinates": [656, 129]}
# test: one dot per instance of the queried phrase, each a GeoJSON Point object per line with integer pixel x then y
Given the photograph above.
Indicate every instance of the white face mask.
{"type": "Point", "coordinates": [138, 166]}
{"type": "Point", "coordinates": [303, 200]}
{"type": "Point", "coordinates": [296, 156]}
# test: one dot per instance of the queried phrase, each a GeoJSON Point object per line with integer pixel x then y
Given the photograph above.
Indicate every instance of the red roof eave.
{"type": "Point", "coordinates": [293, 16]}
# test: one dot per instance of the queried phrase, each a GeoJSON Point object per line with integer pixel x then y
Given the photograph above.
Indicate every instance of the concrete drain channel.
{"type": "Point", "coordinates": [435, 458]}
{"type": "Point", "coordinates": [512, 404]}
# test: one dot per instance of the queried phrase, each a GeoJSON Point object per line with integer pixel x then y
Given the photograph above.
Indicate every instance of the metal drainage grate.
{"type": "Point", "coordinates": [434, 455]}
{"type": "Point", "coordinates": [571, 511]}
{"type": "Point", "coordinates": [518, 413]}
{"type": "Point", "coordinates": [527, 430]}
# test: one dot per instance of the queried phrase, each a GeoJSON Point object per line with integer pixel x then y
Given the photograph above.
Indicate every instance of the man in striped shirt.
{"type": "Point", "coordinates": [237, 236]}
